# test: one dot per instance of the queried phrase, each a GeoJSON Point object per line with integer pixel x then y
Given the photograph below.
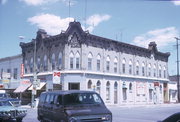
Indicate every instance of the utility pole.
{"type": "Point", "coordinates": [178, 84]}
{"type": "Point", "coordinates": [34, 79]}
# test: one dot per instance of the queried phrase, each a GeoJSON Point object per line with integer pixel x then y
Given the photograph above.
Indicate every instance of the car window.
{"type": "Point", "coordinates": [42, 98]}
{"type": "Point", "coordinates": [47, 98]}
{"type": "Point", "coordinates": [51, 99]}
{"type": "Point", "coordinates": [82, 98]}
{"type": "Point", "coordinates": [5, 103]}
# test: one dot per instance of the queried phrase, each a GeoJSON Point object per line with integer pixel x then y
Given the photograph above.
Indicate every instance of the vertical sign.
{"type": "Point", "coordinates": [22, 70]}
{"type": "Point", "coordinates": [56, 77]}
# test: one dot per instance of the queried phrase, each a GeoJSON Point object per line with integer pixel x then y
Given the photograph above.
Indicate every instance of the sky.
{"type": "Point", "coordinates": [136, 22]}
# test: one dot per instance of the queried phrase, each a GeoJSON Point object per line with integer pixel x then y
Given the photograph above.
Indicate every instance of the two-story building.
{"type": "Point", "coordinates": [121, 73]}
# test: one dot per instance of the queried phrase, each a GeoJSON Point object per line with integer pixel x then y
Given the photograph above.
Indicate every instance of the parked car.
{"type": "Point", "coordinates": [14, 101]}
{"type": "Point", "coordinates": [8, 111]}
{"type": "Point", "coordinates": [173, 118]}
{"type": "Point", "coordinates": [72, 106]}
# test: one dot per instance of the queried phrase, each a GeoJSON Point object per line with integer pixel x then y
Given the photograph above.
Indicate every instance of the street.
{"type": "Point", "coordinates": [149, 113]}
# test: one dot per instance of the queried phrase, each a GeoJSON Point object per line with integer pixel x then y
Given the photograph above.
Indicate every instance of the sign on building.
{"type": "Point", "coordinates": [56, 77]}
{"type": "Point", "coordinates": [22, 70]}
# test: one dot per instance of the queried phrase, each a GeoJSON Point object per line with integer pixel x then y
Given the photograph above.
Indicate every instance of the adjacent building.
{"type": "Point", "coordinates": [121, 73]}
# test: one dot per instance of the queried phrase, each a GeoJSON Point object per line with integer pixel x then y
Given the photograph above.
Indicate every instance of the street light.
{"type": "Point", "coordinates": [34, 78]}
{"type": "Point", "coordinates": [178, 84]}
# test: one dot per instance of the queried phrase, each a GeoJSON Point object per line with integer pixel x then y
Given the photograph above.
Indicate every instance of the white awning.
{"type": "Point", "coordinates": [39, 87]}
{"type": "Point", "coordinates": [22, 88]}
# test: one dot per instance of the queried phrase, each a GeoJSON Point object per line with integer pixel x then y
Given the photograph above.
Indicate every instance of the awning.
{"type": "Point", "coordinates": [22, 88]}
{"type": "Point", "coordinates": [39, 87]}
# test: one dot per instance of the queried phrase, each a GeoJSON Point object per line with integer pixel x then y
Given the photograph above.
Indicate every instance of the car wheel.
{"type": "Point", "coordinates": [19, 120]}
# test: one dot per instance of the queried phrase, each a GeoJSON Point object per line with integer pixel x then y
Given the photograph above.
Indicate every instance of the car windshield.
{"type": "Point", "coordinates": [5, 103]}
{"type": "Point", "coordinates": [82, 98]}
{"type": "Point", "coordinates": [4, 95]}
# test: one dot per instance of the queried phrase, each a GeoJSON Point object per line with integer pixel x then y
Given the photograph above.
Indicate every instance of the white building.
{"type": "Point", "coordinates": [121, 73]}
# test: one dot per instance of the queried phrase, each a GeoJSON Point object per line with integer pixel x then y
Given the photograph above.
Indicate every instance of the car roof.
{"type": "Point", "coordinates": [69, 92]}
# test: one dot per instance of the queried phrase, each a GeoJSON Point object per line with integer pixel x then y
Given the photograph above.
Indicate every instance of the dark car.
{"type": "Point", "coordinates": [173, 118]}
{"type": "Point", "coordinates": [8, 111]}
{"type": "Point", "coordinates": [72, 106]}
{"type": "Point", "coordinates": [14, 101]}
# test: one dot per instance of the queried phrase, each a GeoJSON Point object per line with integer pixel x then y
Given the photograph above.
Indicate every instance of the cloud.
{"type": "Point", "coordinates": [3, 2]}
{"type": "Point", "coordinates": [54, 24]}
{"type": "Point", "coordinates": [38, 2]}
{"type": "Point", "coordinates": [95, 19]}
{"type": "Point", "coordinates": [162, 37]}
{"type": "Point", "coordinates": [176, 2]}
{"type": "Point", "coordinates": [51, 23]}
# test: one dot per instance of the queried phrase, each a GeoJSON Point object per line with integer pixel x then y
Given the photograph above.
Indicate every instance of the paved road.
{"type": "Point", "coordinates": [150, 113]}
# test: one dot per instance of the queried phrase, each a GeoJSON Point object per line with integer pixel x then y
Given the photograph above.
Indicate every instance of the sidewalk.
{"type": "Point", "coordinates": [147, 105]}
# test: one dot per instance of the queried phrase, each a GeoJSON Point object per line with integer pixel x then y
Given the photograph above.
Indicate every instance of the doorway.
{"type": "Point", "coordinates": [74, 86]}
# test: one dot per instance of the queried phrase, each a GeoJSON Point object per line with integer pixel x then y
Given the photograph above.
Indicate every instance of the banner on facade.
{"type": "Point", "coordinates": [56, 77]}
{"type": "Point", "coordinates": [22, 70]}
{"type": "Point", "coordinates": [141, 88]}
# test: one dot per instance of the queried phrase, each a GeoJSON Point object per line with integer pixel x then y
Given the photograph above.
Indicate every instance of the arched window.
{"type": "Point", "coordinates": [108, 91]}
{"type": "Point", "coordinates": [45, 63]}
{"type": "Point", "coordinates": [149, 70]}
{"type": "Point", "coordinates": [31, 65]}
{"type": "Point", "coordinates": [143, 69]}
{"type": "Point", "coordinates": [71, 63]}
{"type": "Point", "coordinates": [98, 85]}
{"type": "Point", "coordinates": [124, 66]}
{"type": "Point", "coordinates": [53, 61]}
{"type": "Point", "coordinates": [160, 68]}
{"type": "Point", "coordinates": [39, 63]}
{"type": "Point", "coordinates": [154, 69]}
{"type": "Point", "coordinates": [60, 60]}
{"type": "Point", "coordinates": [130, 87]}
{"type": "Point", "coordinates": [137, 68]}
{"type": "Point", "coordinates": [164, 71]}
{"type": "Point", "coordinates": [124, 91]}
{"type": "Point", "coordinates": [90, 56]}
{"type": "Point", "coordinates": [107, 63]}
{"type": "Point", "coordinates": [115, 65]}
{"type": "Point", "coordinates": [77, 60]}
{"type": "Point", "coordinates": [89, 84]}
{"type": "Point", "coordinates": [98, 62]}
{"type": "Point", "coordinates": [130, 67]}
{"type": "Point", "coordinates": [115, 93]}
{"type": "Point", "coordinates": [26, 66]}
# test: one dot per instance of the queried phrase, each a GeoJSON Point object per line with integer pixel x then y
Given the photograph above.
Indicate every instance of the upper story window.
{"type": "Point", "coordinates": [124, 66]}
{"type": "Point", "coordinates": [137, 68]}
{"type": "Point", "coordinates": [77, 61]}
{"type": "Point", "coordinates": [98, 62]}
{"type": "Point", "coordinates": [90, 56]}
{"type": "Point", "coordinates": [38, 63]}
{"type": "Point", "coordinates": [143, 69]}
{"type": "Point", "coordinates": [31, 65]}
{"type": "Point", "coordinates": [15, 73]}
{"type": "Point", "coordinates": [107, 63]}
{"type": "Point", "coordinates": [45, 63]}
{"type": "Point", "coordinates": [130, 67]}
{"type": "Point", "coordinates": [26, 66]}
{"type": "Point", "coordinates": [115, 65]}
{"type": "Point", "coordinates": [164, 72]}
{"type": "Point", "coordinates": [60, 60]}
{"type": "Point", "coordinates": [71, 63]}
{"type": "Point", "coordinates": [53, 61]}
{"type": "Point", "coordinates": [154, 70]}
{"type": "Point", "coordinates": [160, 71]}
{"type": "Point", "coordinates": [149, 70]}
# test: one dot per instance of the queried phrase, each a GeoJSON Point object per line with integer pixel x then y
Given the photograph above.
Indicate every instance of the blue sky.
{"type": "Point", "coordinates": [132, 21]}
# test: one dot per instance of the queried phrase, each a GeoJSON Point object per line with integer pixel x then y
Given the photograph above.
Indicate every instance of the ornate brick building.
{"type": "Point", "coordinates": [121, 73]}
